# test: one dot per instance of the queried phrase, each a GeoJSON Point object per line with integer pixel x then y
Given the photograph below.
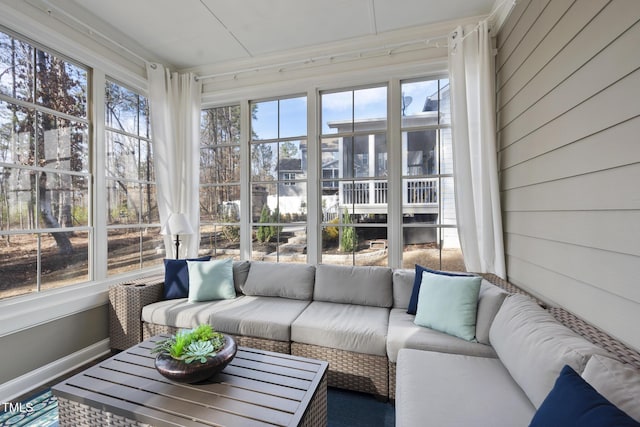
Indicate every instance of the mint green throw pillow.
{"type": "Point", "coordinates": [449, 304]}
{"type": "Point", "coordinates": [211, 280]}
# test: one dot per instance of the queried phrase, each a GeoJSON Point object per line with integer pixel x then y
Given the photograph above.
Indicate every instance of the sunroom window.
{"type": "Point", "coordinates": [44, 169]}
{"type": "Point", "coordinates": [134, 240]}
{"type": "Point", "coordinates": [278, 179]}
{"type": "Point", "coordinates": [354, 174]}
{"type": "Point", "coordinates": [220, 181]}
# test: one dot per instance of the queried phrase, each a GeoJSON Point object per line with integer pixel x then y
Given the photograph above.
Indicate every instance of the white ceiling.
{"type": "Point", "coordinates": [193, 33]}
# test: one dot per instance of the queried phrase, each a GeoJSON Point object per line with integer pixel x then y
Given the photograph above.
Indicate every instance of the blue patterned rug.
{"type": "Point", "coordinates": [40, 410]}
{"type": "Point", "coordinates": [345, 409]}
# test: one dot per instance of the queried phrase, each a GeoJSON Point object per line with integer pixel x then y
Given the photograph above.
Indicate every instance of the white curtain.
{"type": "Point", "coordinates": [175, 122]}
{"type": "Point", "coordinates": [475, 162]}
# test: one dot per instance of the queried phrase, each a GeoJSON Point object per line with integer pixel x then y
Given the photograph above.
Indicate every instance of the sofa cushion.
{"type": "Point", "coordinates": [357, 328]}
{"type": "Point", "coordinates": [176, 277]}
{"type": "Point", "coordinates": [354, 285]}
{"type": "Point", "coordinates": [439, 389]}
{"type": "Point", "coordinates": [270, 279]}
{"type": "Point", "coordinates": [534, 346]}
{"type": "Point", "coordinates": [404, 333]}
{"type": "Point", "coordinates": [417, 282]}
{"type": "Point", "coordinates": [180, 313]}
{"type": "Point", "coordinates": [261, 317]}
{"type": "Point", "coordinates": [618, 382]}
{"type": "Point", "coordinates": [449, 304]}
{"type": "Point", "coordinates": [573, 402]}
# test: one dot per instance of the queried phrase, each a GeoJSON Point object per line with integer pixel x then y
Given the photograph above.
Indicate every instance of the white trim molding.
{"type": "Point", "coordinates": [16, 387]}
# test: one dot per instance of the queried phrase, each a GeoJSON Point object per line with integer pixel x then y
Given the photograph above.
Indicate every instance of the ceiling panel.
{"type": "Point", "coordinates": [275, 25]}
{"type": "Point", "coordinates": [195, 33]}
{"type": "Point", "coordinates": [392, 15]}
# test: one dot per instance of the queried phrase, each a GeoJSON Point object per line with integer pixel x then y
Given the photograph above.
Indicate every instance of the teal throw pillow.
{"type": "Point", "coordinates": [449, 304]}
{"type": "Point", "coordinates": [211, 280]}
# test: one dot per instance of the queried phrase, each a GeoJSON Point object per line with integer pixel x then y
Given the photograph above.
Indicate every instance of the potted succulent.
{"type": "Point", "coordinates": [194, 355]}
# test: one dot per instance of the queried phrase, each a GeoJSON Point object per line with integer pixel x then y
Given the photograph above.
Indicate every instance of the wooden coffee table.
{"type": "Point", "coordinates": [257, 388]}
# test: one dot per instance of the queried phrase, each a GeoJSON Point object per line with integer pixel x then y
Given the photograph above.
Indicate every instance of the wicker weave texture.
{"type": "Point", "coordinates": [596, 336]}
{"type": "Point", "coordinates": [125, 309]}
{"type": "Point", "coordinates": [316, 415]}
{"type": "Point", "coordinates": [74, 414]}
{"type": "Point", "coordinates": [392, 380]}
{"type": "Point", "coordinates": [348, 370]}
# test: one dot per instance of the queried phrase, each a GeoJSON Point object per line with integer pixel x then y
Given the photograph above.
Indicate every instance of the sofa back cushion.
{"type": "Point", "coordinates": [270, 279]}
{"type": "Point", "coordinates": [489, 302]}
{"type": "Point", "coordinates": [534, 346]}
{"type": "Point", "coordinates": [240, 273]}
{"type": "Point", "coordinates": [354, 285]}
{"type": "Point", "coordinates": [402, 286]}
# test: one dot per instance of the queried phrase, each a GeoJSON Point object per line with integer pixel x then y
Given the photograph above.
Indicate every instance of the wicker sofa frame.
{"type": "Point", "coordinates": [349, 370]}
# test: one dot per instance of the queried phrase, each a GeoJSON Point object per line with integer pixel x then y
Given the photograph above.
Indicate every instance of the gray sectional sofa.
{"type": "Point", "coordinates": [356, 319]}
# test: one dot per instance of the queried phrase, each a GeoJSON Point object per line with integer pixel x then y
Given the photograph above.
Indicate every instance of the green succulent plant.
{"type": "Point", "coordinates": [191, 345]}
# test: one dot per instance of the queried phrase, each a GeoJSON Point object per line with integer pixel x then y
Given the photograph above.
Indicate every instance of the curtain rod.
{"type": "Point", "coordinates": [91, 31]}
{"type": "Point", "coordinates": [385, 50]}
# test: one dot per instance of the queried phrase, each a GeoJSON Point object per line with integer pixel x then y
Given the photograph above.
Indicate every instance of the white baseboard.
{"type": "Point", "coordinates": [19, 386]}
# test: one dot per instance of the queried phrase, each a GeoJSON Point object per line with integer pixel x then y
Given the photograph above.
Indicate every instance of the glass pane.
{"type": "Point", "coordinates": [446, 152]}
{"type": "Point", "coordinates": [337, 112]}
{"type": "Point", "coordinates": [220, 203]}
{"type": "Point", "coordinates": [122, 155]}
{"type": "Point", "coordinates": [145, 122]}
{"type": "Point", "coordinates": [370, 108]}
{"type": "Point", "coordinates": [419, 103]}
{"type": "Point", "coordinates": [16, 134]}
{"type": "Point", "coordinates": [123, 202]}
{"type": "Point", "coordinates": [121, 108]}
{"type": "Point", "coordinates": [264, 158]}
{"type": "Point", "coordinates": [16, 68]}
{"type": "Point", "coordinates": [447, 256]}
{"type": "Point", "coordinates": [350, 245]}
{"type": "Point", "coordinates": [18, 261]}
{"type": "Point", "coordinates": [145, 159]}
{"type": "Point", "coordinates": [448, 201]}
{"type": "Point", "coordinates": [152, 241]}
{"type": "Point", "coordinates": [60, 268]}
{"type": "Point", "coordinates": [220, 241]}
{"type": "Point", "coordinates": [60, 85]}
{"type": "Point", "coordinates": [124, 247]}
{"type": "Point", "coordinates": [292, 158]}
{"type": "Point", "coordinates": [292, 201]}
{"type": "Point", "coordinates": [419, 153]}
{"type": "Point", "coordinates": [264, 202]}
{"type": "Point", "coordinates": [59, 197]}
{"type": "Point", "coordinates": [445, 102]}
{"type": "Point", "coordinates": [149, 204]}
{"type": "Point", "coordinates": [293, 117]}
{"type": "Point", "coordinates": [220, 165]}
{"type": "Point", "coordinates": [18, 198]}
{"type": "Point", "coordinates": [220, 126]}
{"type": "Point", "coordinates": [420, 195]}
{"type": "Point", "coordinates": [62, 144]}
{"type": "Point", "coordinates": [264, 120]}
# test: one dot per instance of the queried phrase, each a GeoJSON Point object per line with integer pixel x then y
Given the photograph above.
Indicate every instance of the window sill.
{"type": "Point", "coordinates": [24, 312]}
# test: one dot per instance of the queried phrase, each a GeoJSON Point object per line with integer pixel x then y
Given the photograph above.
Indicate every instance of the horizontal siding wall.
{"type": "Point", "coordinates": [568, 99]}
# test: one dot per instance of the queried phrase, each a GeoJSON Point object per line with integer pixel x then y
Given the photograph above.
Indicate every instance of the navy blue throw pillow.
{"type": "Point", "coordinates": [574, 402]}
{"type": "Point", "coordinates": [176, 277]}
{"type": "Point", "coordinates": [413, 302]}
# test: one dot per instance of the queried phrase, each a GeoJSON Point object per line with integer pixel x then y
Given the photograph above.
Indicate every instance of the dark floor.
{"type": "Point", "coordinates": [345, 408]}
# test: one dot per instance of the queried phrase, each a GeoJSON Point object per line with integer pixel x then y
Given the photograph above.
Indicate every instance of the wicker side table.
{"type": "Point", "coordinates": [125, 309]}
